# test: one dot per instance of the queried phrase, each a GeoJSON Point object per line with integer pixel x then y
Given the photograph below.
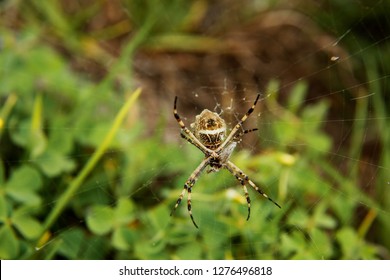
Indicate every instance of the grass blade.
{"type": "Point", "coordinates": [77, 182]}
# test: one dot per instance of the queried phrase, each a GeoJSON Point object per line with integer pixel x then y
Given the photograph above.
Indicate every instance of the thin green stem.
{"type": "Point", "coordinates": [382, 126]}
{"type": "Point", "coordinates": [6, 110]}
{"type": "Point", "coordinates": [283, 184]}
{"type": "Point", "coordinates": [358, 131]}
{"type": "Point", "coordinates": [367, 223]}
{"type": "Point", "coordinates": [77, 182]}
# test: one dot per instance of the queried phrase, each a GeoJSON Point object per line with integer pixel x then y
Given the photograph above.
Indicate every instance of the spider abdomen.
{"type": "Point", "coordinates": [210, 129]}
{"type": "Point", "coordinates": [211, 139]}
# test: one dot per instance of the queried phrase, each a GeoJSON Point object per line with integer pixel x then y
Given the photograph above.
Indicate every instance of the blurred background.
{"type": "Point", "coordinates": [90, 167]}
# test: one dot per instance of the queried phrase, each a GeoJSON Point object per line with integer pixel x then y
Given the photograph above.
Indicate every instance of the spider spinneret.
{"type": "Point", "coordinates": [209, 136]}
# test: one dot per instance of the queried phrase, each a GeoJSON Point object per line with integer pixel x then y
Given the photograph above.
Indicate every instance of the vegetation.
{"type": "Point", "coordinates": [81, 179]}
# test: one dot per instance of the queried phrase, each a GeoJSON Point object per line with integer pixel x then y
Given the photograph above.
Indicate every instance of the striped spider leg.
{"type": "Point", "coordinates": [243, 179]}
{"type": "Point", "coordinates": [188, 188]}
{"type": "Point", "coordinates": [238, 126]}
{"type": "Point", "coordinates": [188, 135]}
{"type": "Point", "coordinates": [208, 134]}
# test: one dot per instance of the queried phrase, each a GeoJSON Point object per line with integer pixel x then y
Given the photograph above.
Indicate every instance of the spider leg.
{"type": "Point", "coordinates": [187, 134]}
{"type": "Point", "coordinates": [248, 199]}
{"type": "Point", "coordinates": [183, 135]}
{"type": "Point", "coordinates": [242, 181]}
{"type": "Point", "coordinates": [238, 125]}
{"type": "Point", "coordinates": [188, 188]}
{"type": "Point", "coordinates": [238, 136]}
{"type": "Point", "coordinates": [243, 178]}
{"type": "Point", "coordinates": [248, 130]}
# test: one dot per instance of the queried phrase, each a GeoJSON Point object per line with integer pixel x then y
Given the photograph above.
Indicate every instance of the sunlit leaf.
{"type": "Point", "coordinates": [3, 207]}
{"type": "Point", "coordinates": [1, 174]}
{"type": "Point", "coordinates": [52, 163]}
{"type": "Point", "coordinates": [72, 241]}
{"type": "Point", "coordinates": [28, 226]}
{"type": "Point", "coordinates": [38, 140]}
{"type": "Point", "coordinates": [349, 242]}
{"type": "Point", "coordinates": [100, 219]}
{"type": "Point", "coordinates": [124, 211]}
{"type": "Point", "coordinates": [123, 238]}
{"type": "Point", "coordinates": [23, 184]}
{"type": "Point", "coordinates": [9, 246]}
{"type": "Point", "coordinates": [320, 244]}
{"type": "Point", "coordinates": [189, 251]}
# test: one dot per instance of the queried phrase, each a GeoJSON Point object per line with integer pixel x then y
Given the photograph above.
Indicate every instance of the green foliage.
{"type": "Point", "coordinates": [75, 184]}
{"type": "Point", "coordinates": [47, 121]}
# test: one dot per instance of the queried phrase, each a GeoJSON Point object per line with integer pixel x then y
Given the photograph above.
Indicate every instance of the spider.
{"type": "Point", "coordinates": [209, 136]}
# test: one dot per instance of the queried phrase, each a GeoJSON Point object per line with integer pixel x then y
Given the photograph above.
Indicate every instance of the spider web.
{"type": "Point", "coordinates": [333, 144]}
{"type": "Point", "coordinates": [318, 150]}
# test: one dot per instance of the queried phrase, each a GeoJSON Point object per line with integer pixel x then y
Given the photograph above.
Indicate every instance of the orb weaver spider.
{"type": "Point", "coordinates": [209, 136]}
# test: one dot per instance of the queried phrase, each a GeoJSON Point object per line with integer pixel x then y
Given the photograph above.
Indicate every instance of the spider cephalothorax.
{"type": "Point", "coordinates": [209, 136]}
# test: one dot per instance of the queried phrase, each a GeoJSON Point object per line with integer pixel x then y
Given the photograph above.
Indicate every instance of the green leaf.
{"type": "Point", "coordinates": [26, 225]}
{"type": "Point", "coordinates": [124, 211]}
{"type": "Point", "coordinates": [37, 141]}
{"type": "Point", "coordinates": [353, 247]}
{"type": "Point", "coordinates": [286, 132]}
{"type": "Point", "coordinates": [321, 245]}
{"type": "Point", "coordinates": [296, 96]}
{"type": "Point", "coordinates": [158, 216]}
{"type": "Point", "coordinates": [3, 207]}
{"type": "Point", "coordinates": [318, 142]}
{"type": "Point", "coordinates": [95, 248]}
{"type": "Point", "coordinates": [25, 177]}
{"type": "Point", "coordinates": [313, 115]}
{"type": "Point", "coordinates": [52, 163]}
{"type": "Point", "coordinates": [73, 240]}
{"type": "Point", "coordinates": [298, 218]}
{"type": "Point", "coordinates": [1, 174]}
{"type": "Point", "coordinates": [20, 132]}
{"type": "Point", "coordinates": [23, 184]}
{"type": "Point", "coordinates": [293, 242]}
{"type": "Point", "coordinates": [324, 220]}
{"type": "Point", "coordinates": [349, 242]}
{"type": "Point", "coordinates": [61, 138]}
{"type": "Point", "coordinates": [190, 251]}
{"type": "Point", "coordinates": [9, 246]}
{"type": "Point", "coordinates": [27, 197]}
{"type": "Point", "coordinates": [100, 219]}
{"type": "Point", "coordinates": [123, 238]}
{"type": "Point", "coordinates": [149, 248]}
{"type": "Point", "coordinates": [93, 133]}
